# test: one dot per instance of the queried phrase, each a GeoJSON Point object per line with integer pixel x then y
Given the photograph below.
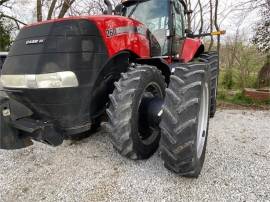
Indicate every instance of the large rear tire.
{"type": "Point", "coordinates": [213, 60]}
{"type": "Point", "coordinates": [184, 124]}
{"type": "Point", "coordinates": [135, 94]}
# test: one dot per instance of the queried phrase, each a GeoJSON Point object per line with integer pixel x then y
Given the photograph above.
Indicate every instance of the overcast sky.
{"type": "Point", "coordinates": [25, 10]}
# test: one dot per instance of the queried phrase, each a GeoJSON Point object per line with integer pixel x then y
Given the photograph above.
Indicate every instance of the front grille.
{"type": "Point", "coordinates": [56, 46]}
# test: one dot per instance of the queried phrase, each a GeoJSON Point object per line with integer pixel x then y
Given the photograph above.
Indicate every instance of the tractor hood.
{"type": "Point", "coordinates": [53, 65]}
{"type": "Point", "coordinates": [66, 45]}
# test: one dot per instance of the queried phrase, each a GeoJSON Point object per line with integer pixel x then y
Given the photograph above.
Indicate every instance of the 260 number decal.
{"type": "Point", "coordinates": [111, 32]}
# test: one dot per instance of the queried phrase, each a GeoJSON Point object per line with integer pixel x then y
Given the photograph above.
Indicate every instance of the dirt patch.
{"type": "Point", "coordinates": [226, 105]}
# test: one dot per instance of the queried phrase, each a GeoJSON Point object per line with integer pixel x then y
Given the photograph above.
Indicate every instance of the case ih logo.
{"type": "Point", "coordinates": [34, 41]}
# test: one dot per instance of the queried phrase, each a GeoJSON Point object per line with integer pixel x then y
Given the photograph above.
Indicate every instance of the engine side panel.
{"type": "Point", "coordinates": [121, 33]}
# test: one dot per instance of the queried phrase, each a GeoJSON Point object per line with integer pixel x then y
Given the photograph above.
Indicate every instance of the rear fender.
{"type": "Point", "coordinates": [191, 48]}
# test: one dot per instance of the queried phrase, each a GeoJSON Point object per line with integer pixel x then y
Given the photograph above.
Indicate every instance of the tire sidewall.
{"type": "Point", "coordinates": [144, 150]}
{"type": "Point", "coordinates": [200, 161]}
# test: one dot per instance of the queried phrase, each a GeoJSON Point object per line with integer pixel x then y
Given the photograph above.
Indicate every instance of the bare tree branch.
{"type": "Point", "coordinates": [39, 10]}
{"type": "Point", "coordinates": [201, 16]}
{"type": "Point", "coordinates": [51, 9]}
{"type": "Point", "coordinates": [211, 25]}
{"type": "Point", "coordinates": [12, 18]}
{"type": "Point", "coordinates": [67, 4]}
{"type": "Point", "coordinates": [216, 25]}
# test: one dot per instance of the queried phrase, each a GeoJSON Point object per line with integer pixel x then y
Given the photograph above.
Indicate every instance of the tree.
{"type": "Point", "coordinates": [262, 37]}
{"type": "Point", "coordinates": [48, 9]}
{"type": "Point", "coordinates": [216, 24]}
{"type": "Point", "coordinates": [201, 17]}
{"type": "Point", "coordinates": [211, 25]}
{"type": "Point", "coordinates": [262, 40]}
{"type": "Point", "coordinates": [58, 8]}
{"type": "Point", "coordinates": [90, 7]}
{"type": "Point", "coordinates": [5, 36]}
{"type": "Point", "coordinates": [8, 5]}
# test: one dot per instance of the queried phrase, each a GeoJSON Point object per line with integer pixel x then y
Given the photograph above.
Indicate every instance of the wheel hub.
{"type": "Point", "coordinates": [149, 109]}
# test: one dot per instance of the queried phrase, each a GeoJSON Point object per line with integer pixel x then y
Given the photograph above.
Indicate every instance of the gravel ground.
{"type": "Point", "coordinates": [237, 168]}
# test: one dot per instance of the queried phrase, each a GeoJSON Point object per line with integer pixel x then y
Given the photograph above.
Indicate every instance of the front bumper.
{"type": "Point", "coordinates": [19, 127]}
{"type": "Point", "coordinates": [10, 138]}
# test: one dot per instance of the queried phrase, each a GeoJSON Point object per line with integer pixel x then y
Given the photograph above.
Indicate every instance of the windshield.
{"type": "Point", "coordinates": [154, 14]}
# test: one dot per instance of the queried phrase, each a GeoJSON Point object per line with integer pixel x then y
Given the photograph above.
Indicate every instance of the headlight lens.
{"type": "Point", "coordinates": [51, 80]}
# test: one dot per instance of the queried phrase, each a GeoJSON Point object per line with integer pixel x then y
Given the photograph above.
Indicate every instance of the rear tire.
{"type": "Point", "coordinates": [128, 134]}
{"type": "Point", "coordinates": [212, 59]}
{"type": "Point", "coordinates": [184, 124]}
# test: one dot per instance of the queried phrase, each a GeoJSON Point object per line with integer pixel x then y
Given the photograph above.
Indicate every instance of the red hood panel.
{"type": "Point", "coordinates": [119, 33]}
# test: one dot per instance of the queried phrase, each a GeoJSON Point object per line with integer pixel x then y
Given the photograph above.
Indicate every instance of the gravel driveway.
{"type": "Point", "coordinates": [237, 168]}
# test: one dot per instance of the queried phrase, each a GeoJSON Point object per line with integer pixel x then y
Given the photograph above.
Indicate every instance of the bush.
{"type": "Point", "coordinates": [227, 81]}
{"type": "Point", "coordinates": [222, 94]}
{"type": "Point", "coordinates": [240, 65]}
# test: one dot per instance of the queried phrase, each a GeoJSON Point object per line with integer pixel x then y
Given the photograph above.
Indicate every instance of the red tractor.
{"type": "Point", "coordinates": [139, 66]}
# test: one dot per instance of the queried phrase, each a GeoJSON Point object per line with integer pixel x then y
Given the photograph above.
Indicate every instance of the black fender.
{"type": "Point", "coordinates": [199, 51]}
{"type": "Point", "coordinates": [108, 74]}
{"type": "Point", "coordinates": [111, 72]}
{"type": "Point", "coordinates": [159, 63]}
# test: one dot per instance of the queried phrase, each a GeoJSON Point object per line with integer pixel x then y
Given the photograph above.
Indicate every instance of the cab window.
{"type": "Point", "coordinates": [155, 15]}
{"type": "Point", "coordinates": [179, 23]}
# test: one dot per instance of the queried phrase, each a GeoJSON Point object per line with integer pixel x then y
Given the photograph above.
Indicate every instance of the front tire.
{"type": "Point", "coordinates": [185, 119]}
{"type": "Point", "coordinates": [135, 94]}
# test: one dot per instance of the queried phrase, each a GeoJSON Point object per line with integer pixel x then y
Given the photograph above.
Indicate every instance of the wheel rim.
{"type": "Point", "coordinates": [203, 120]}
{"type": "Point", "coordinates": [149, 106]}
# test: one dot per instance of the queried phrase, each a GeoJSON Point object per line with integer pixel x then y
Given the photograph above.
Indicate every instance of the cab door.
{"type": "Point", "coordinates": [183, 47]}
{"type": "Point", "coordinates": [179, 26]}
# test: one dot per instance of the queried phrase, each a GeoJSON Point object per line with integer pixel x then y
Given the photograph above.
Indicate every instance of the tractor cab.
{"type": "Point", "coordinates": [164, 19]}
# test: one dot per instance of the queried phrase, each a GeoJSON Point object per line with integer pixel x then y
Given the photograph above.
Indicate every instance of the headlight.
{"type": "Point", "coordinates": [51, 80]}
